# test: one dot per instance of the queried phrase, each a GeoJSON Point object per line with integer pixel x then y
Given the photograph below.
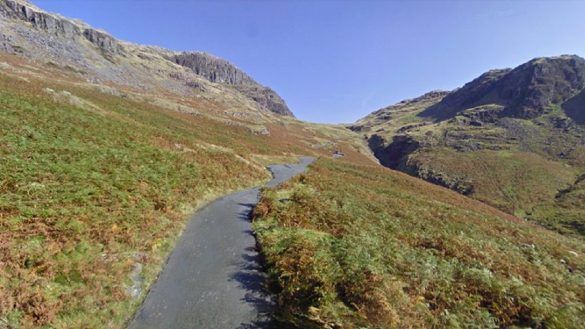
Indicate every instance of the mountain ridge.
{"type": "Point", "coordinates": [513, 138]}
{"type": "Point", "coordinates": [218, 70]}
{"type": "Point", "coordinates": [523, 91]}
{"type": "Point", "coordinates": [99, 55]}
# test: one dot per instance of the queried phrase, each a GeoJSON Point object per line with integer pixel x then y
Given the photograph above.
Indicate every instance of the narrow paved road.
{"type": "Point", "coordinates": [213, 278]}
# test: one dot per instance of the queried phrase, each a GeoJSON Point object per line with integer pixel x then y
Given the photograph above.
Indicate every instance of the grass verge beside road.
{"type": "Point", "coordinates": [355, 246]}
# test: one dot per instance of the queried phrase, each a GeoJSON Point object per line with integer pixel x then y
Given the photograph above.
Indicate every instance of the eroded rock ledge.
{"type": "Point", "coordinates": [59, 26]}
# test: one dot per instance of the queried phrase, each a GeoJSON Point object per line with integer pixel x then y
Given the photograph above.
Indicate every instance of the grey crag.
{"type": "Point", "coordinates": [219, 70]}
{"type": "Point", "coordinates": [95, 55]}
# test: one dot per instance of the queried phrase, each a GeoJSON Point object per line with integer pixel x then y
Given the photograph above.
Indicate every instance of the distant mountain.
{"type": "Point", "coordinates": [524, 92]}
{"type": "Point", "coordinates": [28, 31]}
{"type": "Point", "coordinates": [514, 138]}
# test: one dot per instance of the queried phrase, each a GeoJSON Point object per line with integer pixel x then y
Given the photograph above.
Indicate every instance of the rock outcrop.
{"type": "Point", "coordinates": [31, 32]}
{"type": "Point", "coordinates": [102, 40]}
{"type": "Point", "coordinates": [212, 68]}
{"type": "Point", "coordinates": [219, 70]}
{"type": "Point", "coordinates": [39, 19]}
{"type": "Point", "coordinates": [525, 92]}
{"type": "Point", "coordinates": [575, 108]}
{"type": "Point", "coordinates": [58, 26]}
{"type": "Point", "coordinates": [266, 98]}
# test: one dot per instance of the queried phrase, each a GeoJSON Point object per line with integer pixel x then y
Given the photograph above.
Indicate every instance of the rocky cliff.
{"type": "Point", "coordinates": [219, 70]}
{"type": "Point", "coordinates": [59, 26]}
{"type": "Point", "coordinates": [28, 31]}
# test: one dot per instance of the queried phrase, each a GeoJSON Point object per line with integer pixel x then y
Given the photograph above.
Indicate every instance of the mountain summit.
{"type": "Point", "coordinates": [513, 138]}
{"type": "Point", "coordinates": [524, 92]}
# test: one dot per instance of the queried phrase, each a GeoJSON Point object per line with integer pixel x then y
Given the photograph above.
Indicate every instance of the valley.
{"type": "Point", "coordinates": [95, 185]}
{"type": "Point", "coordinates": [456, 209]}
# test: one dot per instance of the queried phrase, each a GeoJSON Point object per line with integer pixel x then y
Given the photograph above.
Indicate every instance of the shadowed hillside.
{"type": "Point", "coordinates": [524, 92]}
{"type": "Point", "coordinates": [512, 138]}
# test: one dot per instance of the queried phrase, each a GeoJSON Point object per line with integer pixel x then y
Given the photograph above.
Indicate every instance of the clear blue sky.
{"type": "Point", "coordinates": [337, 61]}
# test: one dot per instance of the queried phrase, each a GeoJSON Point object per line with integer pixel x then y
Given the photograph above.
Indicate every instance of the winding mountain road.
{"type": "Point", "coordinates": [213, 278]}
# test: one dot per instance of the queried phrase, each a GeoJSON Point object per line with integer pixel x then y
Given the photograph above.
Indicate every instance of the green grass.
{"type": "Point", "coordinates": [362, 247]}
{"type": "Point", "coordinates": [566, 213]}
{"type": "Point", "coordinates": [94, 186]}
{"type": "Point", "coordinates": [85, 196]}
{"type": "Point", "coordinates": [509, 180]}
{"type": "Point", "coordinates": [525, 184]}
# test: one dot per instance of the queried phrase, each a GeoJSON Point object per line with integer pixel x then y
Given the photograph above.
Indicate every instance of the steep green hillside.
{"type": "Point", "coordinates": [96, 185]}
{"type": "Point", "coordinates": [352, 246]}
{"type": "Point", "coordinates": [510, 138]}
{"type": "Point", "coordinates": [90, 196]}
{"type": "Point", "coordinates": [566, 212]}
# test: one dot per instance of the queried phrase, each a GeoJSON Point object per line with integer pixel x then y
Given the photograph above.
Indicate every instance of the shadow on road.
{"type": "Point", "coordinates": [252, 278]}
{"type": "Point", "coordinates": [214, 277]}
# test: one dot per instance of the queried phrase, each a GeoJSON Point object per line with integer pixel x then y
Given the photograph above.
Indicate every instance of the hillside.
{"type": "Point", "coordinates": [97, 182]}
{"type": "Point", "coordinates": [353, 246]}
{"type": "Point", "coordinates": [107, 148]}
{"type": "Point", "coordinates": [99, 57]}
{"type": "Point", "coordinates": [513, 138]}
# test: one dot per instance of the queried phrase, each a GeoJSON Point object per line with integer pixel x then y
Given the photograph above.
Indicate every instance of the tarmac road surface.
{"type": "Point", "coordinates": [213, 278]}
